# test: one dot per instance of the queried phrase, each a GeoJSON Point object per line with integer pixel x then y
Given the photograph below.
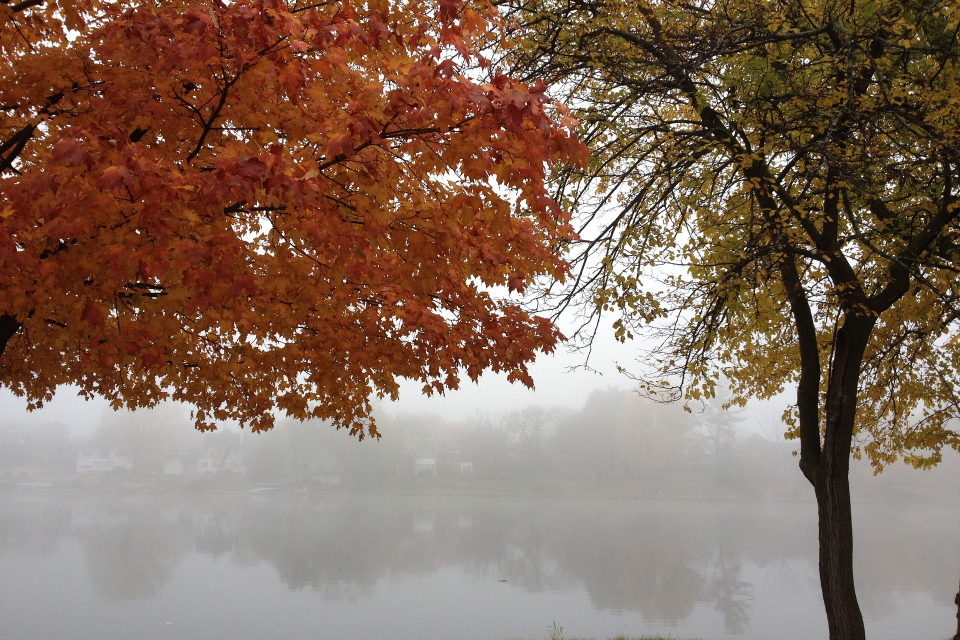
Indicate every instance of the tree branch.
{"type": "Point", "coordinates": [808, 388]}
{"type": "Point", "coordinates": [8, 328]}
{"type": "Point", "coordinates": [20, 6]}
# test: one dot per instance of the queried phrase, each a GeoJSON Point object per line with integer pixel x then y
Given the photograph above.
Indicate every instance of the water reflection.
{"type": "Point", "coordinates": [131, 547]}
{"type": "Point", "coordinates": [663, 560]}
{"type": "Point", "coordinates": [732, 595]}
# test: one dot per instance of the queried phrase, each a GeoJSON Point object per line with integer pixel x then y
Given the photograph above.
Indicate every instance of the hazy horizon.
{"type": "Point", "coordinates": [563, 379]}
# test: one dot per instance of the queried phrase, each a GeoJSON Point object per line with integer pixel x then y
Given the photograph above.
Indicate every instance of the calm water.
{"type": "Point", "coordinates": [107, 567]}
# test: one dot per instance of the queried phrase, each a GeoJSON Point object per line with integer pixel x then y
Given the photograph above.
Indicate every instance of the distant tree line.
{"type": "Point", "coordinates": [617, 439]}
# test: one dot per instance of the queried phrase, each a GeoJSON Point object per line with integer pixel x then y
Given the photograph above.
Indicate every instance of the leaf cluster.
{"type": "Point", "coordinates": [262, 206]}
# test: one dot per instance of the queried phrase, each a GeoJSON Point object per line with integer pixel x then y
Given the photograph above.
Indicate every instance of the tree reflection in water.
{"type": "Point", "coordinates": [131, 546]}
{"type": "Point", "coordinates": [661, 559]}
{"type": "Point", "coordinates": [732, 595]}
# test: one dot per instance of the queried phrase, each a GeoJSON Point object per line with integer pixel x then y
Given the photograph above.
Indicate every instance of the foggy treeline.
{"type": "Point", "coordinates": [616, 440]}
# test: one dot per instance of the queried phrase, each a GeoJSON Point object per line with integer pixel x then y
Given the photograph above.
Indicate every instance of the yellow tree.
{"type": "Point", "coordinates": [773, 199]}
{"type": "Point", "coordinates": [266, 205]}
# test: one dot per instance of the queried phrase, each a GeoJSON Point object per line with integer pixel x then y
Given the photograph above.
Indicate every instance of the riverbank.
{"type": "Point", "coordinates": [455, 486]}
{"type": "Point", "coordinates": [400, 486]}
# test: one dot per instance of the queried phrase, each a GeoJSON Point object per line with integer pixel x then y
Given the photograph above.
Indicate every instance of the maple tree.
{"type": "Point", "coordinates": [261, 206]}
{"type": "Point", "coordinates": [773, 200]}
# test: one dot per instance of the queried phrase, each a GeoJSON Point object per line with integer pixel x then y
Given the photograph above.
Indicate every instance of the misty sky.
{"type": "Point", "coordinates": [556, 385]}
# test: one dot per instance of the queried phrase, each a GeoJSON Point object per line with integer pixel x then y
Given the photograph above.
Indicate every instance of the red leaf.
{"type": "Point", "coordinates": [254, 168]}
{"type": "Point", "coordinates": [70, 152]}
{"type": "Point", "coordinates": [114, 178]}
{"type": "Point", "coordinates": [91, 313]}
{"type": "Point", "coordinates": [445, 69]}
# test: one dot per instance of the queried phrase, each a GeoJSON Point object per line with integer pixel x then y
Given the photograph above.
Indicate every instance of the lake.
{"type": "Point", "coordinates": [349, 567]}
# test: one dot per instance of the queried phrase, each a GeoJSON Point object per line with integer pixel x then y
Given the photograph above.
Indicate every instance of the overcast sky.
{"type": "Point", "coordinates": [556, 385]}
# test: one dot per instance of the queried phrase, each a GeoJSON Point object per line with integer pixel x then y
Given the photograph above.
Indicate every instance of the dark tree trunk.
{"type": "Point", "coordinates": [844, 618]}
{"type": "Point", "coordinates": [829, 472]}
{"type": "Point", "coordinates": [8, 328]}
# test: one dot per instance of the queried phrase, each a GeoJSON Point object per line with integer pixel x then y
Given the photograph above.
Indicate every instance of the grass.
{"type": "Point", "coordinates": [556, 633]}
{"type": "Point", "coordinates": [633, 638]}
{"type": "Point", "coordinates": [622, 637]}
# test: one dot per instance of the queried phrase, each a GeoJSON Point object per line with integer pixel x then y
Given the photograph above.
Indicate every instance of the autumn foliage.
{"type": "Point", "coordinates": [260, 206]}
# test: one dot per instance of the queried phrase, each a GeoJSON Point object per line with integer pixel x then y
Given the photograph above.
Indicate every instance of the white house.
{"type": "Point", "coordinates": [425, 462]}
{"type": "Point", "coordinates": [100, 462]}
{"type": "Point", "coordinates": [216, 460]}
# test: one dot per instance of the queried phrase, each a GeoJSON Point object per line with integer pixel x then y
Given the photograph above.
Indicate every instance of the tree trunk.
{"type": "Point", "coordinates": [827, 466]}
{"type": "Point", "coordinates": [8, 327]}
{"type": "Point", "coordinates": [844, 618]}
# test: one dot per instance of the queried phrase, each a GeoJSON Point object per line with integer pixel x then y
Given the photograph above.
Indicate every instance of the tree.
{"type": "Point", "coordinates": [773, 199]}
{"type": "Point", "coordinates": [619, 436]}
{"type": "Point", "coordinates": [149, 436]}
{"type": "Point", "coordinates": [532, 432]}
{"type": "Point", "coordinates": [261, 206]}
{"type": "Point", "coordinates": [718, 430]}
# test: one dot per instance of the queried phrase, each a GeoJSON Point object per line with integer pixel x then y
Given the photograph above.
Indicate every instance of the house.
{"type": "Point", "coordinates": [218, 460]}
{"type": "Point", "coordinates": [433, 456]}
{"type": "Point", "coordinates": [103, 462]}
{"type": "Point", "coordinates": [425, 463]}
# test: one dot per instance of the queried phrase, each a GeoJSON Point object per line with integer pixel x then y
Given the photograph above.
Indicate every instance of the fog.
{"type": "Point", "coordinates": [565, 377]}
{"type": "Point", "coordinates": [603, 515]}
{"type": "Point", "coordinates": [616, 443]}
